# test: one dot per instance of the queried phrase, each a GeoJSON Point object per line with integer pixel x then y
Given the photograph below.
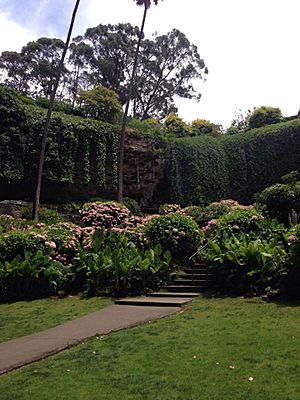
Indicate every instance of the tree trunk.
{"type": "Point", "coordinates": [36, 204]}
{"type": "Point", "coordinates": [125, 117]}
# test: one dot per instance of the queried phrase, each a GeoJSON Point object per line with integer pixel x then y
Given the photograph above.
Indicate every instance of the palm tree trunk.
{"type": "Point", "coordinates": [36, 204]}
{"type": "Point", "coordinates": [125, 117]}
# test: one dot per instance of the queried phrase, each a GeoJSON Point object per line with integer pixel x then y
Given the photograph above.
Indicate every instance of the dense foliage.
{"type": "Point", "coordinates": [252, 254]}
{"type": "Point", "coordinates": [104, 56]}
{"type": "Point", "coordinates": [198, 169]}
{"type": "Point", "coordinates": [264, 116]}
{"type": "Point", "coordinates": [72, 145]}
{"type": "Point", "coordinates": [175, 232]}
{"type": "Point", "coordinates": [282, 200]}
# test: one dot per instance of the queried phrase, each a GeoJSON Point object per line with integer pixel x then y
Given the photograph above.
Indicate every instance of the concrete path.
{"type": "Point", "coordinates": [25, 350]}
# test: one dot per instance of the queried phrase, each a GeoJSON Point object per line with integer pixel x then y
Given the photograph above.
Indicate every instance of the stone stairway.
{"type": "Point", "coordinates": [190, 283]}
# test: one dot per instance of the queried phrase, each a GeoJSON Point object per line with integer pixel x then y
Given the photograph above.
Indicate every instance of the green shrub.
{"type": "Point", "coordinates": [132, 205]}
{"type": "Point", "coordinates": [292, 282]}
{"type": "Point", "coordinates": [100, 103]}
{"type": "Point", "coordinates": [243, 219]}
{"type": "Point", "coordinates": [204, 127]}
{"type": "Point", "coordinates": [175, 125]}
{"type": "Point", "coordinates": [29, 276]}
{"type": "Point", "coordinates": [177, 233]}
{"type": "Point", "coordinates": [247, 266]}
{"type": "Point", "coordinates": [46, 215]}
{"type": "Point", "coordinates": [282, 200]}
{"type": "Point", "coordinates": [264, 116]}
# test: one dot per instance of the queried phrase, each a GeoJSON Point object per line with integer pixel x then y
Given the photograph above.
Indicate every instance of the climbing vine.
{"type": "Point", "coordinates": [198, 169]}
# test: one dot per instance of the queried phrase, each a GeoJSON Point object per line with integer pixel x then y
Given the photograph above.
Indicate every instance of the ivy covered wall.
{"type": "Point", "coordinates": [81, 160]}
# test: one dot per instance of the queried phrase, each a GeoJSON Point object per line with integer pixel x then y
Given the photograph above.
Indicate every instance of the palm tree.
{"type": "Point", "coordinates": [146, 4]}
{"type": "Point", "coordinates": [36, 203]}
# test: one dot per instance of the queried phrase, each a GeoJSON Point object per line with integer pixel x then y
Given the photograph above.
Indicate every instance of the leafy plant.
{"type": "Point", "coordinates": [132, 205]}
{"type": "Point", "coordinates": [244, 265]}
{"type": "Point", "coordinates": [116, 266]}
{"type": "Point", "coordinates": [30, 276]}
{"type": "Point", "coordinates": [46, 215]}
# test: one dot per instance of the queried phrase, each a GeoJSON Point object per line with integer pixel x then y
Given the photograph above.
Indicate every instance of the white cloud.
{"type": "Point", "coordinates": [251, 48]}
{"type": "Point", "coordinates": [12, 35]}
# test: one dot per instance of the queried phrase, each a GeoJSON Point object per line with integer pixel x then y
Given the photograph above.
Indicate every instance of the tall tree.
{"type": "Point", "coordinates": [146, 4]}
{"type": "Point", "coordinates": [169, 63]}
{"type": "Point", "coordinates": [16, 68]}
{"type": "Point", "coordinates": [113, 56]}
{"type": "Point", "coordinates": [43, 56]}
{"type": "Point", "coordinates": [36, 204]}
{"type": "Point", "coordinates": [79, 60]}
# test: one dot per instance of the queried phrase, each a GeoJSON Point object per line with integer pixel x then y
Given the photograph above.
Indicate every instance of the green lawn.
{"type": "Point", "coordinates": [207, 352]}
{"type": "Point", "coordinates": [26, 317]}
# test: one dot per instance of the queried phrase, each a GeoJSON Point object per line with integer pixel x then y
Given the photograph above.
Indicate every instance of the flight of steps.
{"type": "Point", "coordinates": [190, 283]}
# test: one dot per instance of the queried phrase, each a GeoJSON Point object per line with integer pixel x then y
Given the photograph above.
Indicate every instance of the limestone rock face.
{"type": "Point", "coordinates": [13, 207]}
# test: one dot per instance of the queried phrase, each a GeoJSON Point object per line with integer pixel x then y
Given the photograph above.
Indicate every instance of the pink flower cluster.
{"type": "Point", "coordinates": [107, 214]}
{"type": "Point", "coordinates": [169, 209]}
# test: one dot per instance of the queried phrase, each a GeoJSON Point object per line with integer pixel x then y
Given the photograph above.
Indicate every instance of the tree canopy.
{"type": "Point", "coordinates": [104, 56]}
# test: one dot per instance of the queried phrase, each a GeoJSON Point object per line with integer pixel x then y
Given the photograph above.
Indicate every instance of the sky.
{"type": "Point", "coordinates": [251, 47]}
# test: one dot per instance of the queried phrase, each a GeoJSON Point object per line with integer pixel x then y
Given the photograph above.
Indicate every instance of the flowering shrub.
{"type": "Point", "coordinates": [292, 282]}
{"type": "Point", "coordinates": [211, 212]}
{"type": "Point", "coordinates": [177, 233]}
{"type": "Point", "coordinates": [169, 209]}
{"type": "Point", "coordinates": [16, 242]}
{"type": "Point", "coordinates": [106, 214]}
{"type": "Point", "coordinates": [64, 238]}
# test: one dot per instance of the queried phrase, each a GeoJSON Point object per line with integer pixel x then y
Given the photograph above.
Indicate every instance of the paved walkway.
{"type": "Point", "coordinates": [25, 350]}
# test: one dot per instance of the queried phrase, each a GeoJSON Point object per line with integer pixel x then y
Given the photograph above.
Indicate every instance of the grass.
{"type": "Point", "coordinates": [189, 356]}
{"type": "Point", "coordinates": [26, 317]}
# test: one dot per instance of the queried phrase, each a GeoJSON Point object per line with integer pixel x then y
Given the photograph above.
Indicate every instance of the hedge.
{"type": "Point", "coordinates": [197, 169]}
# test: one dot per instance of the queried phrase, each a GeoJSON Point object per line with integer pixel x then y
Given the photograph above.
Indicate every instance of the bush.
{"type": "Point", "coordinates": [176, 233]}
{"type": "Point", "coordinates": [106, 214]}
{"type": "Point", "coordinates": [247, 266]}
{"type": "Point", "coordinates": [175, 125]}
{"type": "Point", "coordinates": [46, 215]}
{"type": "Point", "coordinates": [292, 282]}
{"type": "Point", "coordinates": [15, 243]}
{"type": "Point", "coordinates": [29, 276]}
{"type": "Point", "coordinates": [264, 116]}
{"type": "Point", "coordinates": [204, 127]}
{"type": "Point", "coordinates": [169, 209]}
{"type": "Point", "coordinates": [100, 103]}
{"type": "Point", "coordinates": [133, 206]}
{"type": "Point", "coordinates": [114, 265]}
{"type": "Point", "coordinates": [282, 200]}
{"type": "Point", "coordinates": [243, 219]}
{"type": "Point", "coordinates": [202, 215]}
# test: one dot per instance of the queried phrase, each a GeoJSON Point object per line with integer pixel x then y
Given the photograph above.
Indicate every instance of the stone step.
{"type": "Point", "coordinates": [174, 294]}
{"type": "Point", "coordinates": [191, 282]}
{"type": "Point", "coordinates": [198, 276]}
{"type": "Point", "coordinates": [196, 270]}
{"type": "Point", "coordinates": [154, 301]}
{"type": "Point", "coordinates": [186, 288]}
